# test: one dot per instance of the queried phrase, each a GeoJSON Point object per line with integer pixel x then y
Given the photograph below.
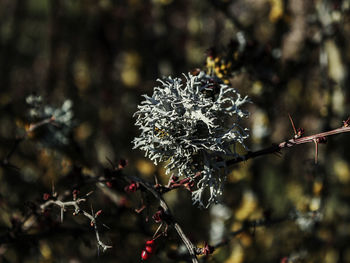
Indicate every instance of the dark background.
{"type": "Point", "coordinates": [103, 55]}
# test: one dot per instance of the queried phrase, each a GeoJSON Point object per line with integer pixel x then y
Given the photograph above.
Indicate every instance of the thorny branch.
{"type": "Point", "coordinates": [157, 190]}
{"type": "Point", "coordinates": [290, 143]}
{"type": "Point", "coordinates": [192, 249]}
{"type": "Point", "coordinates": [77, 210]}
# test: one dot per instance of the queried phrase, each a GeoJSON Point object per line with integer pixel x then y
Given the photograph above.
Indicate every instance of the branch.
{"type": "Point", "coordinates": [77, 210]}
{"type": "Point", "coordinates": [295, 216]}
{"type": "Point", "coordinates": [290, 143]}
{"type": "Point", "coordinates": [192, 249]}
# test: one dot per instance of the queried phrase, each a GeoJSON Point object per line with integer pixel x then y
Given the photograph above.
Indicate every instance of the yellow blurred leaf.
{"type": "Point", "coordinates": [82, 132]}
{"type": "Point", "coordinates": [45, 250]}
{"type": "Point", "coordinates": [145, 167]}
{"type": "Point", "coordinates": [248, 206]}
{"type": "Point", "coordinates": [342, 171]}
{"type": "Point", "coordinates": [237, 255]}
{"type": "Point", "coordinates": [276, 11]}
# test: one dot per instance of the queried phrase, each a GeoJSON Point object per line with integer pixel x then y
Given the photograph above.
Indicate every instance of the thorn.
{"type": "Point", "coordinates": [62, 211]}
{"type": "Point", "coordinates": [139, 210]}
{"type": "Point", "coordinates": [92, 210]}
{"type": "Point", "coordinates": [106, 226]}
{"type": "Point", "coordinates": [156, 179]}
{"type": "Point", "coordinates": [291, 121]}
{"type": "Point", "coordinates": [155, 233]}
{"type": "Point", "coordinates": [110, 162]}
{"type": "Point", "coordinates": [54, 194]}
{"type": "Point", "coordinates": [316, 150]}
{"type": "Point", "coordinates": [89, 193]}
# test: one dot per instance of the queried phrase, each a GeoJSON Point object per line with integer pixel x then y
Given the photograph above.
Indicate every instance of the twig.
{"type": "Point", "coordinates": [5, 162]}
{"type": "Point", "coordinates": [77, 210]}
{"type": "Point", "coordinates": [252, 224]}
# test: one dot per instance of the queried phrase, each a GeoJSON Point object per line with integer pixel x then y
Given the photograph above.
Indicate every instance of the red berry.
{"type": "Point", "coordinates": [150, 242]}
{"type": "Point", "coordinates": [149, 249]}
{"type": "Point", "coordinates": [150, 246]}
{"type": "Point", "coordinates": [144, 255]}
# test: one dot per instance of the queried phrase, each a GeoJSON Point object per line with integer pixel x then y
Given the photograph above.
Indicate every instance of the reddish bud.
{"type": "Point", "coordinates": [109, 184]}
{"type": "Point", "coordinates": [159, 215]}
{"type": "Point", "coordinates": [132, 187]}
{"type": "Point", "coordinates": [46, 196]}
{"type": "Point", "coordinates": [321, 140]}
{"type": "Point", "coordinates": [207, 250]}
{"type": "Point", "coordinates": [300, 132]}
{"type": "Point", "coordinates": [144, 255]}
{"type": "Point", "coordinates": [99, 212]}
{"type": "Point", "coordinates": [346, 123]}
{"type": "Point", "coordinates": [75, 194]}
{"type": "Point", "coordinates": [284, 260]}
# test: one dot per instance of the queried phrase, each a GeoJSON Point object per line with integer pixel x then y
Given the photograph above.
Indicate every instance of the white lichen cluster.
{"type": "Point", "coordinates": [57, 132]}
{"type": "Point", "coordinates": [193, 124]}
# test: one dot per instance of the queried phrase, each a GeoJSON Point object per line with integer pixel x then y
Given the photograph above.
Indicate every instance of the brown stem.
{"type": "Point", "coordinates": [149, 187]}
{"type": "Point", "coordinates": [287, 144]}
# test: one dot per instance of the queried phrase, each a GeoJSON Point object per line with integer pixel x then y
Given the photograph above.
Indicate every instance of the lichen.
{"type": "Point", "coordinates": [193, 124]}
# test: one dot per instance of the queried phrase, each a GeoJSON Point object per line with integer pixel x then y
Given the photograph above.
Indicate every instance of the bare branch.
{"type": "Point", "coordinates": [77, 210]}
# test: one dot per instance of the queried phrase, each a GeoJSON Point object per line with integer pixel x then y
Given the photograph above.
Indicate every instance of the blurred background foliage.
{"type": "Point", "coordinates": [103, 55]}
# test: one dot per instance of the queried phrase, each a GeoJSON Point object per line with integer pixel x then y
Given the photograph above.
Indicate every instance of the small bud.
{"type": "Point", "coordinates": [300, 132]}
{"type": "Point", "coordinates": [75, 194]}
{"type": "Point", "coordinates": [321, 140]}
{"type": "Point", "coordinates": [46, 196]}
{"type": "Point", "coordinates": [159, 215]}
{"type": "Point", "coordinates": [99, 212]}
{"type": "Point", "coordinates": [132, 187]}
{"type": "Point", "coordinates": [109, 184]}
{"type": "Point", "coordinates": [346, 123]}
{"type": "Point", "coordinates": [122, 163]}
{"type": "Point", "coordinates": [207, 250]}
